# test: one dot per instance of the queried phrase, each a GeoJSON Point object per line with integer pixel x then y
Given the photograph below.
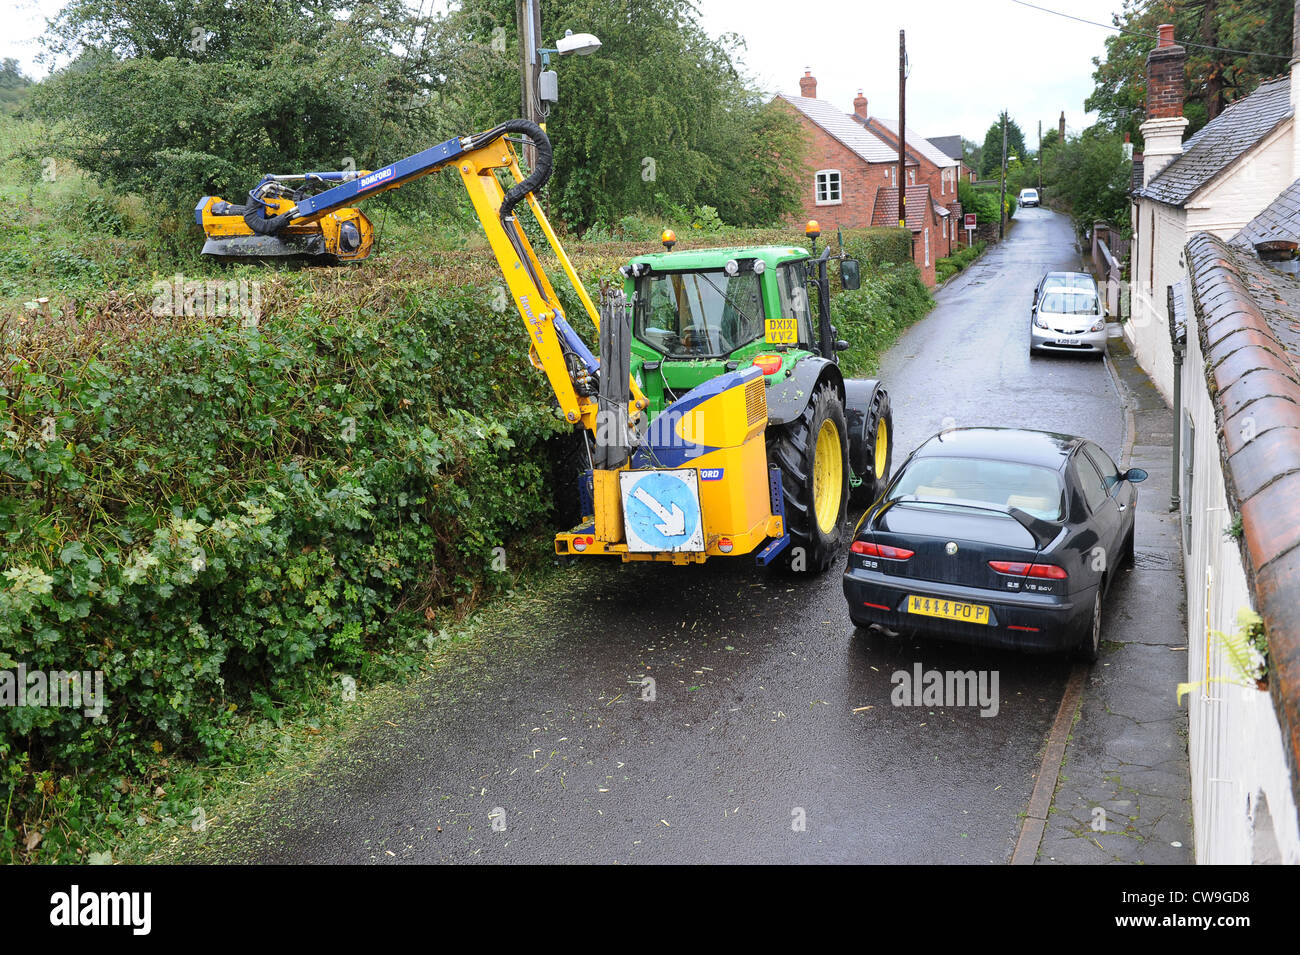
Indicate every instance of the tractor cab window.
{"type": "Point", "coordinates": [793, 290]}
{"type": "Point", "coordinates": [705, 314]}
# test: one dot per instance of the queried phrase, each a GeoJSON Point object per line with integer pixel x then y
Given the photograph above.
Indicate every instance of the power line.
{"type": "Point", "coordinates": [1149, 36]}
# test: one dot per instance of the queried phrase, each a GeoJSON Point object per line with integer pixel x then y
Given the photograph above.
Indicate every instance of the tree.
{"type": "Point", "coordinates": [174, 98]}
{"type": "Point", "coordinates": [1216, 76]}
{"type": "Point", "coordinates": [1090, 175]}
{"type": "Point", "coordinates": [991, 151]}
{"type": "Point", "coordinates": [661, 117]}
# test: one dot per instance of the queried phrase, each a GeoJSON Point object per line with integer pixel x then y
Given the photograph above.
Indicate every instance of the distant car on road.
{"type": "Point", "coordinates": [996, 536]}
{"type": "Point", "coordinates": [1029, 197]}
{"type": "Point", "coordinates": [1067, 315]}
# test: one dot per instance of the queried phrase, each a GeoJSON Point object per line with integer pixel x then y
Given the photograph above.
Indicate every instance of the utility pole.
{"type": "Point", "coordinates": [529, 19]}
{"type": "Point", "coordinates": [1040, 159]}
{"type": "Point", "coordinates": [1002, 203]}
{"type": "Point", "coordinates": [902, 133]}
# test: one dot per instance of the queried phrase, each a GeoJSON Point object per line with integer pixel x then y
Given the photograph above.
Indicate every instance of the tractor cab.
{"type": "Point", "coordinates": [697, 314]}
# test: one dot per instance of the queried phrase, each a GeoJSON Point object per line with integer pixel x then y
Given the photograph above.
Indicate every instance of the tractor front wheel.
{"type": "Point", "coordinates": [812, 452]}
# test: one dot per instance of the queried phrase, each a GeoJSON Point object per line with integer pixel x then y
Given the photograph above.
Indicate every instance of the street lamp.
{"type": "Point", "coordinates": [581, 44]}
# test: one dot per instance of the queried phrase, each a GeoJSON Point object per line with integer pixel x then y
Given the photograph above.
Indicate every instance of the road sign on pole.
{"type": "Point", "coordinates": [969, 222]}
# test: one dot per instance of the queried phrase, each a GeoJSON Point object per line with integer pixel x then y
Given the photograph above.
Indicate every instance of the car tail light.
{"type": "Point", "coordinates": [868, 549]}
{"type": "Point", "coordinates": [1022, 569]}
{"type": "Point", "coordinates": [770, 364]}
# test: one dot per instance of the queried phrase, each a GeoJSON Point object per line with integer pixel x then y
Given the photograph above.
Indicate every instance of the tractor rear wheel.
{"type": "Point", "coordinates": [812, 452]}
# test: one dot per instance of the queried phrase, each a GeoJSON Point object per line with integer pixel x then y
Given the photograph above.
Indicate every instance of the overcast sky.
{"type": "Point", "coordinates": [969, 58]}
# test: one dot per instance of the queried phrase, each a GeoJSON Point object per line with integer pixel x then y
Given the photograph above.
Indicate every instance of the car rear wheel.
{"type": "Point", "coordinates": [1090, 646]}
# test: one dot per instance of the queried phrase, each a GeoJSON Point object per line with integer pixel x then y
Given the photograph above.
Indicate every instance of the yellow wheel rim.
{"type": "Point", "coordinates": [882, 449]}
{"type": "Point", "coordinates": [828, 476]}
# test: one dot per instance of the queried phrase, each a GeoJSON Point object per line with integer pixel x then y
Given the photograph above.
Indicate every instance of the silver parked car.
{"type": "Point", "coordinates": [1068, 315]}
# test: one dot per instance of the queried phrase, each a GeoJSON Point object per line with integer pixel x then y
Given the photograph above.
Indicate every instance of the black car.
{"type": "Point", "coordinates": [996, 536]}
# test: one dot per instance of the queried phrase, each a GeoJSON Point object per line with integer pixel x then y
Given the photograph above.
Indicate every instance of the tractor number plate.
{"type": "Point", "coordinates": [661, 510]}
{"type": "Point", "coordinates": [947, 609]}
{"type": "Point", "coordinates": [782, 331]}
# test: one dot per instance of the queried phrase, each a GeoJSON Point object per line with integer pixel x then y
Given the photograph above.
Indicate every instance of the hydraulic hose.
{"type": "Point", "coordinates": [542, 170]}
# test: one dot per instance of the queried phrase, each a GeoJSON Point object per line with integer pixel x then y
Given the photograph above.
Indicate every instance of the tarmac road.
{"type": "Point", "coordinates": [769, 711]}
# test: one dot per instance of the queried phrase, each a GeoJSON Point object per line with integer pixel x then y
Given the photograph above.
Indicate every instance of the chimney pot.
{"type": "Point", "coordinates": [1166, 78]}
{"type": "Point", "coordinates": [1166, 35]}
{"type": "Point", "coordinates": [860, 105]}
{"type": "Point", "coordinates": [808, 84]}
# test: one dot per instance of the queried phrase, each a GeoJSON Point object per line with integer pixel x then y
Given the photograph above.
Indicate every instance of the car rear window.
{"type": "Point", "coordinates": [1034, 490]}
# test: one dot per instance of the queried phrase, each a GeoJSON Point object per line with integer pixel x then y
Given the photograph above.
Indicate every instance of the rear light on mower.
{"type": "Point", "coordinates": [770, 364]}
{"type": "Point", "coordinates": [726, 545]}
{"type": "Point", "coordinates": [1021, 569]}
{"type": "Point", "coordinates": [582, 543]}
{"type": "Point", "coordinates": [868, 549]}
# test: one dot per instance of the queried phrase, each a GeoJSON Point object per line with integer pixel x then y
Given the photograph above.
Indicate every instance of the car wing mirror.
{"type": "Point", "coordinates": [1135, 475]}
{"type": "Point", "coordinates": [850, 280]}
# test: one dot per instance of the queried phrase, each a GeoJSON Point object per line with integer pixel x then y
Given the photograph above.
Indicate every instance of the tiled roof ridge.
{"type": "Point", "coordinates": [1255, 389]}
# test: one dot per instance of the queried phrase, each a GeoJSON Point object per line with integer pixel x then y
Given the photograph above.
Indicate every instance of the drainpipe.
{"type": "Point", "coordinates": [1178, 344]}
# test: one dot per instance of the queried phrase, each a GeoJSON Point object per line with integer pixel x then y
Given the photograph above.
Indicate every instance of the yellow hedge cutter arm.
{"type": "Point", "coordinates": [281, 221]}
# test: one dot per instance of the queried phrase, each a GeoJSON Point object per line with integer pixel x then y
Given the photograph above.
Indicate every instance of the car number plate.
{"type": "Point", "coordinates": [1069, 341]}
{"type": "Point", "coordinates": [947, 609]}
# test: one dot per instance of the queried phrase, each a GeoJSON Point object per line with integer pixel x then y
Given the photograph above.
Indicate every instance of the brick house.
{"type": "Point", "coordinates": [844, 165]}
{"type": "Point", "coordinates": [928, 222]}
{"type": "Point", "coordinates": [951, 147]}
{"type": "Point", "coordinates": [927, 165]}
{"type": "Point", "coordinates": [850, 169]}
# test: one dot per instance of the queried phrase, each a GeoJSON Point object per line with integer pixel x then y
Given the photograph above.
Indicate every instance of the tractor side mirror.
{"type": "Point", "coordinates": [842, 345]}
{"type": "Point", "coordinates": [850, 280]}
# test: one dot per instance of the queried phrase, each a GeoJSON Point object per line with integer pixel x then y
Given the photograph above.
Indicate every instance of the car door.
{"type": "Point", "coordinates": [1104, 517]}
{"type": "Point", "coordinates": [1121, 491]}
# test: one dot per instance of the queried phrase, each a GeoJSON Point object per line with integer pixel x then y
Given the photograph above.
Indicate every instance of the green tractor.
{"type": "Point", "coordinates": [702, 313]}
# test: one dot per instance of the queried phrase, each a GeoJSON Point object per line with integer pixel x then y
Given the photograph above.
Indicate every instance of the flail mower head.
{"type": "Point", "coordinates": [266, 228]}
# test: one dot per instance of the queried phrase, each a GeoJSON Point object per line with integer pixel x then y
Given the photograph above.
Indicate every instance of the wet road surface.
{"type": "Point", "coordinates": [771, 735]}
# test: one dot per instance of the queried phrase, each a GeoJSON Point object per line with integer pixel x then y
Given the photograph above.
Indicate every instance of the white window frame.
{"type": "Point", "coordinates": [817, 187]}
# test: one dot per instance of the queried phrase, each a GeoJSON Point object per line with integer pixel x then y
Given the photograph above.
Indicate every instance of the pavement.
{"type": "Point", "coordinates": [1124, 790]}
{"type": "Point", "coordinates": [770, 732]}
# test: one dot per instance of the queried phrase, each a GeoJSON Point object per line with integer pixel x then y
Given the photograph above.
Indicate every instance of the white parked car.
{"type": "Point", "coordinates": [1029, 197]}
{"type": "Point", "coordinates": [1068, 315]}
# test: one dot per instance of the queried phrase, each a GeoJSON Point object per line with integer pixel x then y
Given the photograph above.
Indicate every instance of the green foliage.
{"type": "Point", "coordinates": [946, 268]}
{"type": "Point", "coordinates": [982, 202]}
{"type": "Point", "coordinates": [1245, 650]}
{"type": "Point", "coordinates": [991, 151]}
{"type": "Point", "coordinates": [892, 297]}
{"type": "Point", "coordinates": [1216, 77]}
{"type": "Point", "coordinates": [1089, 177]}
{"type": "Point", "coordinates": [14, 87]}
{"type": "Point", "coordinates": [172, 99]}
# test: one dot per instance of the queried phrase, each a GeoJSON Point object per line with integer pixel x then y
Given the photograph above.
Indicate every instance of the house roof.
{"type": "Point", "coordinates": [918, 144]}
{"type": "Point", "coordinates": [1279, 220]}
{"type": "Point", "coordinates": [885, 210]}
{"type": "Point", "coordinates": [1220, 143]}
{"type": "Point", "coordinates": [950, 146]}
{"type": "Point", "coordinates": [1136, 183]}
{"type": "Point", "coordinates": [1246, 323]}
{"type": "Point", "coordinates": [838, 124]}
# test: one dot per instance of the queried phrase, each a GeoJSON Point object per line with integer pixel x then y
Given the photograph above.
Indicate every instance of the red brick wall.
{"type": "Point", "coordinates": [859, 180]}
